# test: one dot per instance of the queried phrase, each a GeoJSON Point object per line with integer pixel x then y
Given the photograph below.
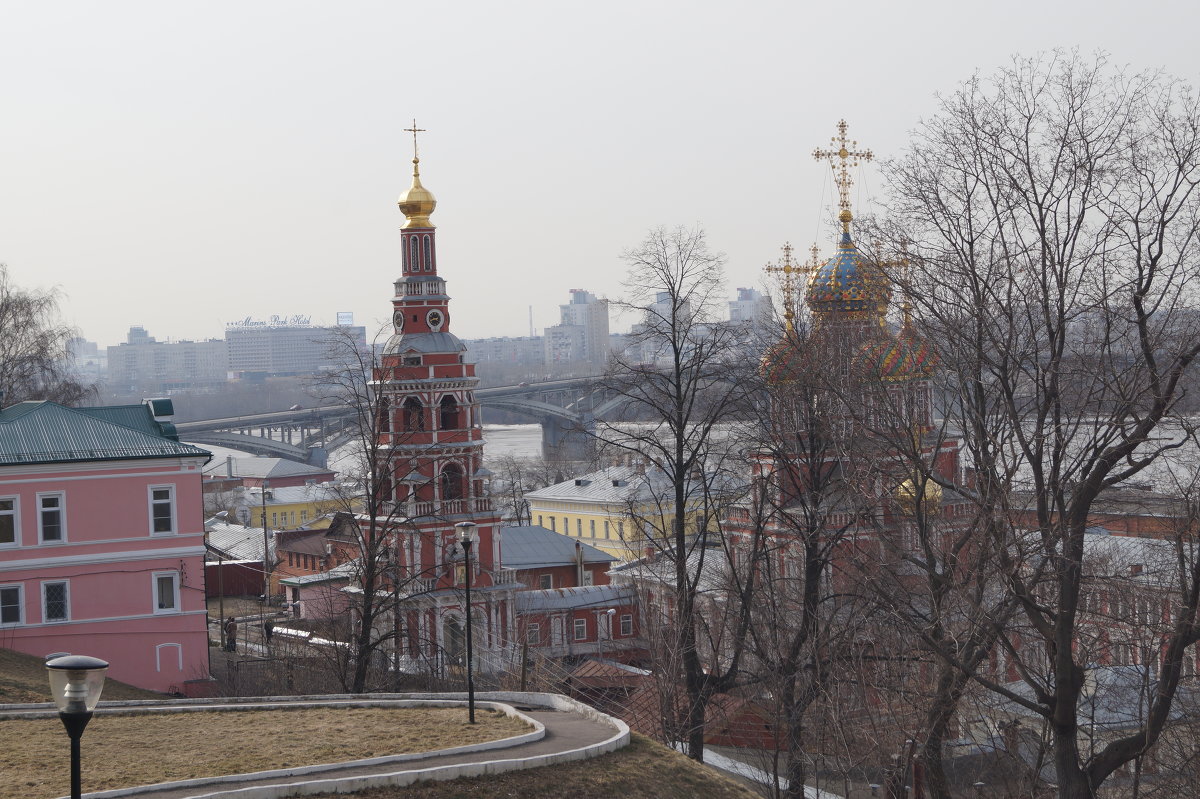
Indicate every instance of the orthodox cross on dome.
{"type": "Point", "coordinates": [414, 130]}
{"type": "Point", "coordinates": [787, 267]}
{"type": "Point", "coordinates": [847, 156]}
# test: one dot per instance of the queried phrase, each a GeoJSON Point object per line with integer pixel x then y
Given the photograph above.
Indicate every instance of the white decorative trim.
{"type": "Point", "coordinates": [158, 655]}
{"type": "Point", "coordinates": [107, 557]}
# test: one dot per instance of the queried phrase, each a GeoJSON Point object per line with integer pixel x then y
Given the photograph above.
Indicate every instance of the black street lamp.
{"type": "Point", "coordinates": [76, 682]}
{"type": "Point", "coordinates": [466, 537]}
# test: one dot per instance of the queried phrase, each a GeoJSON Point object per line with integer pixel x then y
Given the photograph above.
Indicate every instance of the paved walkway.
{"type": "Point", "coordinates": [566, 732]}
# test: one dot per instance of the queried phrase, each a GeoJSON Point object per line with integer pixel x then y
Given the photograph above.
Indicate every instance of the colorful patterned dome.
{"type": "Point", "coordinates": [848, 286]}
{"type": "Point", "coordinates": [896, 359]}
{"type": "Point", "coordinates": [783, 362]}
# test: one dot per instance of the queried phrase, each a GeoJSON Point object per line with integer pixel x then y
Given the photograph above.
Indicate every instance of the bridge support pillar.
{"type": "Point", "coordinates": [568, 441]}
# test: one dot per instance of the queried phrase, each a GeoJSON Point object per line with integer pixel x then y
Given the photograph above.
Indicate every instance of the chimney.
{"type": "Point", "coordinates": [229, 466]}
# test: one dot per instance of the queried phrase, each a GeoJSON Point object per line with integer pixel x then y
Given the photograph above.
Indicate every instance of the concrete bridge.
{"type": "Point", "coordinates": [566, 409]}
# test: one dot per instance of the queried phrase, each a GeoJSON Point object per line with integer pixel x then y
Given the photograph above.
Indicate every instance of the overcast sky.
{"type": "Point", "coordinates": [181, 165]}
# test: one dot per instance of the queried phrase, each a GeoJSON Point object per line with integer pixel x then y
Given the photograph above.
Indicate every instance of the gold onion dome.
{"type": "Point", "coordinates": [848, 285]}
{"type": "Point", "coordinates": [907, 492]}
{"type": "Point", "coordinates": [417, 203]}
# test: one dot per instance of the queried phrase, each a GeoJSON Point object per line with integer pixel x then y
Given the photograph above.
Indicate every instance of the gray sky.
{"type": "Point", "coordinates": [180, 165]}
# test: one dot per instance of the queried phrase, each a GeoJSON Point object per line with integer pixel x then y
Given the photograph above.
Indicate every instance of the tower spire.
{"type": "Point", "coordinates": [847, 156]}
{"type": "Point", "coordinates": [417, 203]}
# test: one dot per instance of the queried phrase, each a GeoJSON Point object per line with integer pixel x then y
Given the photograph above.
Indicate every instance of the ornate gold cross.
{"type": "Point", "coordinates": [788, 267]}
{"type": "Point", "coordinates": [847, 157]}
{"type": "Point", "coordinates": [414, 130]}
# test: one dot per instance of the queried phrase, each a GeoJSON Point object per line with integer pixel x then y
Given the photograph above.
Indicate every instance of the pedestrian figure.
{"type": "Point", "coordinates": [231, 636]}
{"type": "Point", "coordinates": [268, 631]}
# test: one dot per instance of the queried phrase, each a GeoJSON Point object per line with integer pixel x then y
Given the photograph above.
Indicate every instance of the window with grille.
{"type": "Point", "coordinates": [54, 602]}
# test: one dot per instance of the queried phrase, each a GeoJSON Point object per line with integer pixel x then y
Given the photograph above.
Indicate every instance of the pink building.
{"type": "Point", "coordinates": [102, 540]}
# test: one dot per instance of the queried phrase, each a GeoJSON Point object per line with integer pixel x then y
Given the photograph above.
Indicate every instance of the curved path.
{"type": "Point", "coordinates": [572, 731]}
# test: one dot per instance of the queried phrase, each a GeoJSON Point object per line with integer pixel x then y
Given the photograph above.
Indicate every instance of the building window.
{"type": "Point", "coordinates": [304, 513]}
{"type": "Point", "coordinates": [428, 253]}
{"type": "Point", "coordinates": [552, 527]}
{"type": "Point", "coordinates": [546, 581]}
{"type": "Point", "coordinates": [592, 527]}
{"type": "Point", "coordinates": [52, 525]}
{"type": "Point", "coordinates": [166, 592]}
{"type": "Point", "coordinates": [55, 606]}
{"type": "Point", "coordinates": [621, 530]}
{"type": "Point", "coordinates": [8, 521]}
{"type": "Point", "coordinates": [606, 532]}
{"type": "Point", "coordinates": [10, 605]}
{"type": "Point", "coordinates": [588, 577]}
{"type": "Point", "coordinates": [540, 520]}
{"type": "Point", "coordinates": [274, 519]}
{"type": "Point", "coordinates": [452, 481]}
{"type": "Point", "coordinates": [627, 624]}
{"type": "Point", "coordinates": [448, 417]}
{"type": "Point", "coordinates": [534, 634]}
{"type": "Point", "coordinates": [162, 509]}
{"type": "Point", "coordinates": [385, 415]}
{"type": "Point", "coordinates": [581, 629]}
{"type": "Point", "coordinates": [579, 527]}
{"type": "Point", "coordinates": [414, 415]}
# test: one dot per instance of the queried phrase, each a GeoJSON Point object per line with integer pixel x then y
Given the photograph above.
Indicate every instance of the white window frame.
{"type": "Point", "coordinates": [62, 516]}
{"type": "Point", "coordinates": [155, 596]}
{"type": "Point", "coordinates": [66, 601]}
{"type": "Point", "coordinates": [15, 515]}
{"type": "Point", "coordinates": [20, 589]}
{"type": "Point", "coordinates": [579, 624]}
{"type": "Point", "coordinates": [151, 502]}
{"type": "Point", "coordinates": [626, 624]}
{"type": "Point", "coordinates": [533, 634]}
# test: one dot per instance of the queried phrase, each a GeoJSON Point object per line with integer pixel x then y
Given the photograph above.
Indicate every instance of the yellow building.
{"type": "Point", "coordinates": [286, 508]}
{"type": "Point", "coordinates": [614, 510]}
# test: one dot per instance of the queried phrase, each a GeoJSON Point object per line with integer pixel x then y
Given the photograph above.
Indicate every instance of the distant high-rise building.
{"type": "Point", "coordinates": [520, 350]}
{"type": "Point", "coordinates": [144, 364]}
{"type": "Point", "coordinates": [751, 305]}
{"type": "Point", "coordinates": [283, 347]}
{"type": "Point", "coordinates": [583, 332]}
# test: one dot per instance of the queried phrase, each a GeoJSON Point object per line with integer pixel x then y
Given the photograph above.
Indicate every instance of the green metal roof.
{"type": "Point", "coordinates": [46, 432]}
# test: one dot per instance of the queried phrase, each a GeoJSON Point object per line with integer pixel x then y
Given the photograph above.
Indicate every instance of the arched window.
{"type": "Point", "coordinates": [385, 415]}
{"type": "Point", "coordinates": [452, 481]}
{"type": "Point", "coordinates": [449, 414]}
{"type": "Point", "coordinates": [414, 415]}
{"type": "Point", "coordinates": [414, 255]}
{"type": "Point", "coordinates": [428, 254]}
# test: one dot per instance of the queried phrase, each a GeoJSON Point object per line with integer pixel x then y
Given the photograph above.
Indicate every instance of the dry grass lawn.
{"type": "Point", "coordinates": [127, 750]}
{"type": "Point", "coordinates": [642, 770]}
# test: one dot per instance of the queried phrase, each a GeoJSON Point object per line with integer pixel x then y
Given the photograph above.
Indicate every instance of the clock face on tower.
{"type": "Point", "coordinates": [434, 319]}
{"type": "Point", "coordinates": [398, 321]}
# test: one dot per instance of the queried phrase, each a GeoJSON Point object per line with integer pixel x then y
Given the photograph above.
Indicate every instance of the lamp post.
{"type": "Point", "coordinates": [76, 682]}
{"type": "Point", "coordinates": [466, 537]}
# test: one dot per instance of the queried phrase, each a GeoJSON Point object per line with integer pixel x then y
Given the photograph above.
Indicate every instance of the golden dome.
{"type": "Point", "coordinates": [906, 496]}
{"type": "Point", "coordinates": [418, 202]}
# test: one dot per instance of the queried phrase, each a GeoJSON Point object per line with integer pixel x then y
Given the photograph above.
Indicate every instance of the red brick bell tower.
{"type": "Point", "coordinates": [431, 437]}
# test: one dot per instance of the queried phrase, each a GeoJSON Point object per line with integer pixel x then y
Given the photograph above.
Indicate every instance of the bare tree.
{"type": "Point", "coordinates": [378, 583]}
{"type": "Point", "coordinates": [1054, 212]}
{"type": "Point", "coordinates": [35, 363]}
{"type": "Point", "coordinates": [681, 373]}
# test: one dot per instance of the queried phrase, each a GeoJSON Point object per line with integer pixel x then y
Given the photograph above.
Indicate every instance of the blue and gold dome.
{"type": "Point", "coordinates": [848, 286]}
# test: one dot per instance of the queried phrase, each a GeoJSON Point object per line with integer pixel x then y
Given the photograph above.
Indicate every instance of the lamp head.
{"type": "Point", "coordinates": [466, 532]}
{"type": "Point", "coordinates": [76, 682]}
